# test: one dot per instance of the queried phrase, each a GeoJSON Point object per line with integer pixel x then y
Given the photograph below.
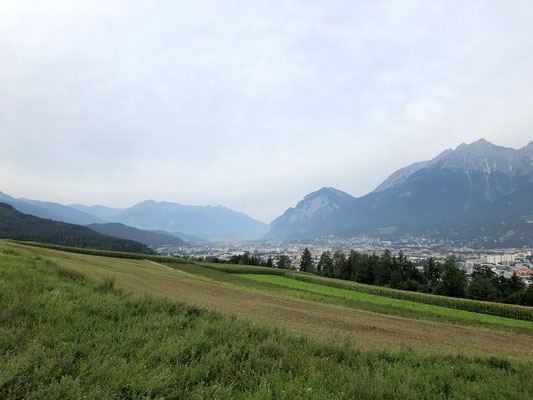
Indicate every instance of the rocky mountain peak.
{"type": "Point", "coordinates": [476, 183]}
{"type": "Point", "coordinates": [482, 146]}
{"type": "Point", "coordinates": [480, 155]}
{"type": "Point", "coordinates": [334, 195]}
{"type": "Point", "coordinates": [314, 207]}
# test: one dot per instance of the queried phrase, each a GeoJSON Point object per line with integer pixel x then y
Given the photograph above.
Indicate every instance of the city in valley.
{"type": "Point", "coordinates": [418, 250]}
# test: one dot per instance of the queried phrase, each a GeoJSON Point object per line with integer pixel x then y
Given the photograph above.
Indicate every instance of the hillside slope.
{"type": "Point", "coordinates": [149, 238]}
{"type": "Point", "coordinates": [68, 336]}
{"type": "Point", "coordinates": [19, 226]}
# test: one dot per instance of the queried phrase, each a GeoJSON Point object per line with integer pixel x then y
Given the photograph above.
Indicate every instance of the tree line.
{"type": "Point", "coordinates": [281, 261]}
{"type": "Point", "coordinates": [397, 272]}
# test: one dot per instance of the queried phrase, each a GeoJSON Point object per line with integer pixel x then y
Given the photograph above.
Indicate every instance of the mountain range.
{"type": "Point", "coordinates": [477, 193]}
{"type": "Point", "coordinates": [207, 222]}
{"type": "Point", "coordinates": [54, 211]}
{"type": "Point", "coordinates": [460, 193]}
{"type": "Point", "coordinates": [191, 223]}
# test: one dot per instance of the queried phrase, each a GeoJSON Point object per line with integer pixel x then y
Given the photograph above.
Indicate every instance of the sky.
{"type": "Point", "coordinates": [250, 104]}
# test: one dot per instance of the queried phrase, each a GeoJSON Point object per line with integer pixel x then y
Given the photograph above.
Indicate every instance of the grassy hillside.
{"type": "Point", "coordinates": [367, 324]}
{"type": "Point", "coordinates": [19, 226]}
{"type": "Point", "coordinates": [63, 335]}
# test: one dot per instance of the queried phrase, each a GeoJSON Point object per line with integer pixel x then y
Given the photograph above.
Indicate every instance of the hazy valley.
{"type": "Point", "coordinates": [266, 200]}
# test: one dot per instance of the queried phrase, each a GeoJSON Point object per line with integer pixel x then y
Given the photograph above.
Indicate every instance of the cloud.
{"type": "Point", "coordinates": [251, 105]}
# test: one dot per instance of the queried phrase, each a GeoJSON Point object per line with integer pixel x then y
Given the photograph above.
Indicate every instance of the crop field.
{"type": "Point", "coordinates": [483, 307]}
{"type": "Point", "coordinates": [64, 335]}
{"type": "Point", "coordinates": [322, 316]}
{"type": "Point", "coordinates": [386, 301]}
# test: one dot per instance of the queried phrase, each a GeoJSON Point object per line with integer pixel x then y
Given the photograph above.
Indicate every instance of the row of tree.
{"type": "Point", "coordinates": [398, 272]}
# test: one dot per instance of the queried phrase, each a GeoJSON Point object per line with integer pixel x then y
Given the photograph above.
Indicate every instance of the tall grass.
{"type": "Point", "coordinates": [63, 336]}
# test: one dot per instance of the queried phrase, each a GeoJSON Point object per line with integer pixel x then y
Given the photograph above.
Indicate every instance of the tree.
{"type": "Point", "coordinates": [527, 298]}
{"type": "Point", "coordinates": [245, 259]}
{"type": "Point", "coordinates": [284, 262]}
{"type": "Point", "coordinates": [483, 271]}
{"type": "Point", "coordinates": [365, 272]}
{"type": "Point", "coordinates": [453, 281]}
{"type": "Point", "coordinates": [487, 285]}
{"type": "Point", "coordinates": [395, 275]}
{"type": "Point", "coordinates": [306, 263]}
{"type": "Point", "coordinates": [482, 288]}
{"type": "Point", "coordinates": [339, 261]}
{"type": "Point", "coordinates": [235, 259]}
{"type": "Point", "coordinates": [432, 274]}
{"type": "Point", "coordinates": [515, 283]}
{"type": "Point", "coordinates": [352, 265]}
{"type": "Point", "coordinates": [325, 264]}
{"type": "Point", "coordinates": [270, 262]}
{"type": "Point", "coordinates": [383, 269]}
{"type": "Point", "coordinates": [402, 265]}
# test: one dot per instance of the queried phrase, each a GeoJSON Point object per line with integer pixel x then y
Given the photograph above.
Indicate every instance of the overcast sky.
{"type": "Point", "coordinates": [250, 104]}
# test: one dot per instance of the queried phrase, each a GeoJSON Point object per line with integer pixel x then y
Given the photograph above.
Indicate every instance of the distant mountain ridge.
{"type": "Point", "coordinates": [55, 211]}
{"type": "Point", "coordinates": [477, 184]}
{"type": "Point", "coordinates": [209, 222]}
{"type": "Point", "coordinates": [199, 223]}
{"type": "Point", "coordinates": [20, 226]}
{"type": "Point", "coordinates": [102, 212]}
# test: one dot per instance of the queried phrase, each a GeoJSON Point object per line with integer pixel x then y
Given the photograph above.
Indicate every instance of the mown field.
{"type": "Point", "coordinates": [65, 336]}
{"type": "Point", "coordinates": [367, 347]}
{"type": "Point", "coordinates": [483, 307]}
{"type": "Point", "coordinates": [387, 301]}
{"type": "Point", "coordinates": [367, 325]}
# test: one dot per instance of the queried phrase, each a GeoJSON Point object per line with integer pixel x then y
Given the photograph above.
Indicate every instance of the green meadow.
{"type": "Point", "coordinates": [90, 326]}
{"type": "Point", "coordinates": [389, 302]}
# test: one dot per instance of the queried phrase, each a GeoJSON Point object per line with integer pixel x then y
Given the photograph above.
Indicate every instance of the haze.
{"type": "Point", "coordinates": [250, 104]}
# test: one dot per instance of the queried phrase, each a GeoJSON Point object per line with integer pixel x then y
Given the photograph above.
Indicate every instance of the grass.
{"type": "Point", "coordinates": [387, 301]}
{"type": "Point", "coordinates": [483, 307]}
{"type": "Point", "coordinates": [65, 336]}
{"type": "Point", "coordinates": [357, 300]}
{"type": "Point", "coordinates": [105, 253]}
{"type": "Point", "coordinates": [368, 326]}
